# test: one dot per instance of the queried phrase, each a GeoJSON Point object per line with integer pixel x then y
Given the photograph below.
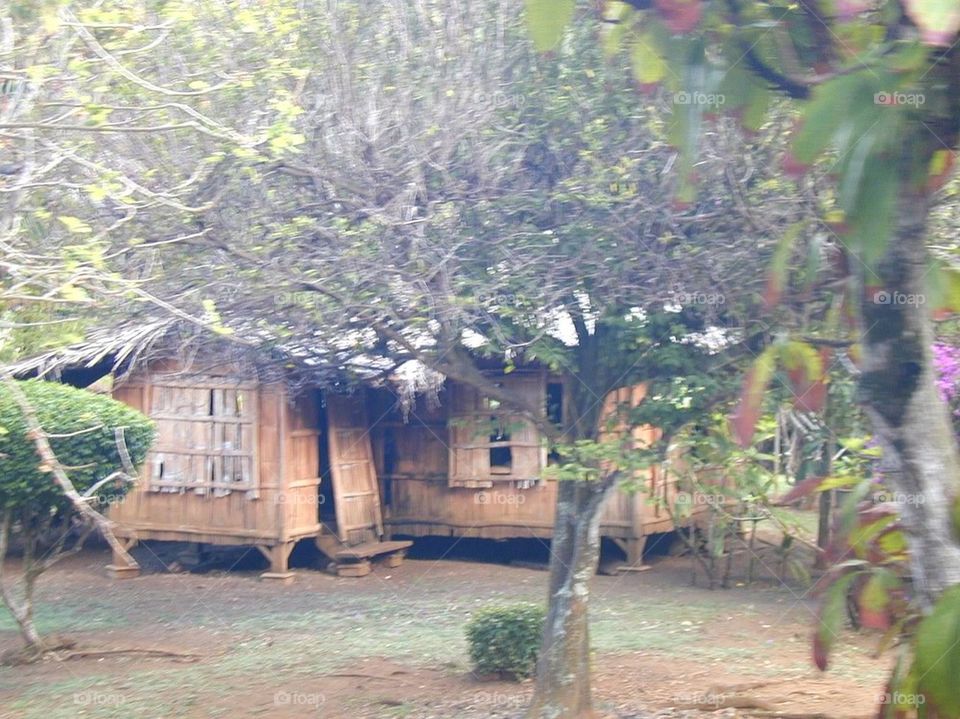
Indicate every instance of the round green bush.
{"type": "Point", "coordinates": [81, 426]}
{"type": "Point", "coordinates": [506, 640]}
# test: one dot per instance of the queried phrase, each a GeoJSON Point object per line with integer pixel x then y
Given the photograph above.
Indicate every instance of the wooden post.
{"type": "Point", "coordinates": [278, 555]}
{"type": "Point", "coordinates": [123, 566]}
{"type": "Point", "coordinates": [635, 549]}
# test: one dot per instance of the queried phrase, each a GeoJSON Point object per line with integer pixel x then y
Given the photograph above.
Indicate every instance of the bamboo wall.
{"type": "Point", "coordinates": [279, 504]}
{"type": "Point", "coordinates": [412, 457]}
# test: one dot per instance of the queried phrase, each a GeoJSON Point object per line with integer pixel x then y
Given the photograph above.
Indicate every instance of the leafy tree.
{"type": "Point", "coordinates": [100, 439]}
{"type": "Point", "coordinates": [876, 88]}
{"type": "Point", "coordinates": [392, 184]}
{"type": "Point", "coordinates": [414, 204]}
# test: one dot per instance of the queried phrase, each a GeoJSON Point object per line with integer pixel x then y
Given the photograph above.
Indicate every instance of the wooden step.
{"type": "Point", "coordinates": [370, 549]}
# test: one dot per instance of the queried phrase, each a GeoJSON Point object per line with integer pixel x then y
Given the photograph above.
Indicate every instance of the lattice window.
{"type": "Point", "coordinates": [490, 444]}
{"type": "Point", "coordinates": [206, 437]}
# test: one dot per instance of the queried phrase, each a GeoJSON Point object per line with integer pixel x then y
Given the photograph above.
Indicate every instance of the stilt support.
{"type": "Point", "coordinates": [279, 556]}
{"type": "Point", "coordinates": [121, 567]}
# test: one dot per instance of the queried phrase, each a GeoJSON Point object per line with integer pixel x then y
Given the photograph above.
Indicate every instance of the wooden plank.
{"type": "Point", "coordinates": [205, 419]}
{"type": "Point", "coordinates": [203, 452]}
{"type": "Point", "coordinates": [201, 382]}
{"type": "Point", "coordinates": [356, 489]}
{"type": "Point", "coordinates": [372, 549]}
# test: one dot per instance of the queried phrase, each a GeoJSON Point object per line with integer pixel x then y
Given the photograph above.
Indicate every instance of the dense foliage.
{"type": "Point", "coordinates": [505, 640]}
{"type": "Point", "coordinates": [83, 429]}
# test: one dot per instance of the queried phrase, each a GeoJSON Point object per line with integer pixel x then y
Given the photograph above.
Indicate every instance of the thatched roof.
{"type": "Point", "coordinates": [124, 349]}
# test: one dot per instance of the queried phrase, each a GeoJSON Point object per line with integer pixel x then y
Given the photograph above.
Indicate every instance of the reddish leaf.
{"type": "Point", "coordinates": [800, 490]}
{"type": "Point", "coordinates": [792, 167]}
{"type": "Point", "coordinates": [680, 16]}
{"type": "Point", "coordinates": [849, 9]}
{"type": "Point", "coordinates": [745, 418]}
{"type": "Point", "coordinates": [779, 266]}
{"type": "Point", "coordinates": [941, 169]}
{"type": "Point", "coordinates": [811, 396]}
{"type": "Point", "coordinates": [830, 620]}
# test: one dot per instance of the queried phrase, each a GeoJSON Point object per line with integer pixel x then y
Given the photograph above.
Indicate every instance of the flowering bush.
{"type": "Point", "coordinates": [946, 363]}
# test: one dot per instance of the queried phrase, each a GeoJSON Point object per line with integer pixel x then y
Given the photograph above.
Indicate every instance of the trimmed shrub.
{"type": "Point", "coordinates": [82, 428]}
{"type": "Point", "coordinates": [506, 640]}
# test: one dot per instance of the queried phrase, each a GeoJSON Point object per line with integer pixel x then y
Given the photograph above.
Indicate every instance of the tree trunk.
{"type": "Point", "coordinates": [22, 610]}
{"type": "Point", "coordinates": [920, 460]}
{"type": "Point", "coordinates": [562, 685]}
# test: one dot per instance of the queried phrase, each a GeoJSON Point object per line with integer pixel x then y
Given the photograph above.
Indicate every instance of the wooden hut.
{"type": "Point", "coordinates": [455, 465]}
{"type": "Point", "coordinates": [234, 462]}
{"type": "Point", "coordinates": [242, 457]}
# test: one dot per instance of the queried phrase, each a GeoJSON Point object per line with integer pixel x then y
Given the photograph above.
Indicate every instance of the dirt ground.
{"type": "Point", "coordinates": [392, 645]}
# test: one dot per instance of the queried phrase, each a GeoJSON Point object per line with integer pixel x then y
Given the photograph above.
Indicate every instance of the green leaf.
{"type": "Point", "coordinates": [546, 20]}
{"type": "Point", "coordinates": [777, 274]}
{"type": "Point", "coordinates": [75, 225]}
{"type": "Point", "coordinates": [648, 64]}
{"type": "Point", "coordinates": [822, 117]}
{"type": "Point", "coordinates": [837, 482]}
{"type": "Point", "coordinates": [830, 619]}
{"type": "Point", "coordinates": [937, 660]}
{"type": "Point", "coordinates": [800, 355]}
{"type": "Point", "coordinates": [755, 384]}
{"type": "Point", "coordinates": [943, 286]}
{"type": "Point", "coordinates": [871, 221]}
{"type": "Point", "coordinates": [938, 20]}
{"type": "Point", "coordinates": [875, 594]}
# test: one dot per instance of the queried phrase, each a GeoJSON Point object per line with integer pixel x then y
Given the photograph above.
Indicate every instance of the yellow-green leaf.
{"type": "Point", "coordinates": [75, 225]}
{"type": "Point", "coordinates": [546, 20]}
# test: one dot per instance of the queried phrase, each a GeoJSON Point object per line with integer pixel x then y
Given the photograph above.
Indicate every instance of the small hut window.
{"type": "Point", "coordinates": [206, 436]}
{"type": "Point", "coordinates": [489, 443]}
{"type": "Point", "coordinates": [501, 456]}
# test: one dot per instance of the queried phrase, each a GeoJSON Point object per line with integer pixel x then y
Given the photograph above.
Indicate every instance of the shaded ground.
{"type": "Point", "coordinates": [391, 645]}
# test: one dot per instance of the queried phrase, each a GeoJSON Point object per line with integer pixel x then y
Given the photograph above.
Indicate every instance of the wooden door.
{"type": "Point", "coordinates": [356, 493]}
